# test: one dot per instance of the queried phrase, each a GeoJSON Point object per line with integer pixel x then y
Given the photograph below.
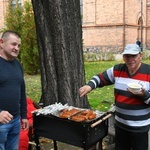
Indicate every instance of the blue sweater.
{"type": "Point", "coordinates": [12, 88]}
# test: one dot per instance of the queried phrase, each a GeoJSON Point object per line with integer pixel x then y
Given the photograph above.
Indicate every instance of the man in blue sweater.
{"type": "Point", "coordinates": [13, 107]}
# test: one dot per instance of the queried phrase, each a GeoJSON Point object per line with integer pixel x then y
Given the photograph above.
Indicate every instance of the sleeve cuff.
{"type": "Point", "coordinates": [146, 95]}
{"type": "Point", "coordinates": [91, 84]}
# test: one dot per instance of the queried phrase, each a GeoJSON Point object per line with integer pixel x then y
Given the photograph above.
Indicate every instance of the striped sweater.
{"type": "Point", "coordinates": [132, 112]}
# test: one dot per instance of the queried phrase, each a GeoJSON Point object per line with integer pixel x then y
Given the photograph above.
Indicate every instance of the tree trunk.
{"type": "Point", "coordinates": [59, 34]}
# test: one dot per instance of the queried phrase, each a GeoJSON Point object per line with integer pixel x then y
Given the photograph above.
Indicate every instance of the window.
{"type": "Point", "coordinates": [15, 2]}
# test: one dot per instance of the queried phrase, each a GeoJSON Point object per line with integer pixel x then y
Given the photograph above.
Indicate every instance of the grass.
{"type": "Point", "coordinates": [99, 99]}
{"type": "Point", "coordinates": [33, 87]}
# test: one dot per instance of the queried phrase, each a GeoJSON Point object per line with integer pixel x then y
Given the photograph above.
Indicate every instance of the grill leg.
{"type": "Point", "coordinates": [55, 145]}
{"type": "Point", "coordinates": [36, 139]}
{"type": "Point", "coordinates": [99, 145]}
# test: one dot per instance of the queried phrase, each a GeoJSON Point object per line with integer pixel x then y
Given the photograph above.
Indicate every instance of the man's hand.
{"type": "Point", "coordinates": [5, 117]}
{"type": "Point", "coordinates": [139, 93]}
{"type": "Point", "coordinates": [84, 90]}
{"type": "Point", "coordinates": [24, 124]}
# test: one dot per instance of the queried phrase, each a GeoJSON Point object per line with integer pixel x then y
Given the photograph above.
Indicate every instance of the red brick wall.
{"type": "Point", "coordinates": [148, 24]}
{"type": "Point", "coordinates": [3, 7]}
{"type": "Point", "coordinates": [103, 23]}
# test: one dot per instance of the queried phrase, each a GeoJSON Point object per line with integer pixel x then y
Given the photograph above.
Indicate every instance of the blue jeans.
{"type": "Point", "coordinates": [9, 135]}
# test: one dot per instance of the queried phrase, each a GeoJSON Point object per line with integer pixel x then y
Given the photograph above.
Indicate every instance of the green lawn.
{"type": "Point", "coordinates": [100, 98]}
{"type": "Point", "coordinates": [33, 87]}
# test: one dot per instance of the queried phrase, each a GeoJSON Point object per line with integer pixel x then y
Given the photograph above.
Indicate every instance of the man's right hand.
{"type": "Point", "coordinates": [5, 117]}
{"type": "Point", "coordinates": [84, 90]}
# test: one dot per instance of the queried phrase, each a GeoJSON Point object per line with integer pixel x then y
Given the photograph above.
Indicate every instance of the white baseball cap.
{"type": "Point", "coordinates": [132, 49]}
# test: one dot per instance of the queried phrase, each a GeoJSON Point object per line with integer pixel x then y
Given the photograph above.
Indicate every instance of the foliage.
{"type": "Point", "coordinates": [13, 18]}
{"type": "Point", "coordinates": [21, 20]}
{"type": "Point", "coordinates": [99, 56]}
{"type": "Point", "coordinates": [29, 55]}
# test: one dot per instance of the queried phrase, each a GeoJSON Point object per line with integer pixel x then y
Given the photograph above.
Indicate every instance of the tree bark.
{"type": "Point", "coordinates": [59, 34]}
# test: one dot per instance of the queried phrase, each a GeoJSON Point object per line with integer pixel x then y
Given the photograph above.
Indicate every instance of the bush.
{"type": "Point", "coordinates": [21, 20]}
{"type": "Point", "coordinates": [101, 56]}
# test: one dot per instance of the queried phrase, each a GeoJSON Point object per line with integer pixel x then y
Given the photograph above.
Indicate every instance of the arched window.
{"type": "Point", "coordinates": [140, 22]}
{"type": "Point", "coordinates": [139, 32]}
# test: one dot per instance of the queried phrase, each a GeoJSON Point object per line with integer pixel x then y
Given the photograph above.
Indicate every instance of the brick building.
{"type": "Point", "coordinates": [108, 25]}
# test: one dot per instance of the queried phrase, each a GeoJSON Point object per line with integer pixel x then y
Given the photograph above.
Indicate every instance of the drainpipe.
{"type": "Point", "coordinates": [141, 25]}
{"type": "Point", "coordinates": [124, 24]}
{"type": "Point", "coordinates": [146, 26]}
{"type": "Point", "coordinates": [95, 12]}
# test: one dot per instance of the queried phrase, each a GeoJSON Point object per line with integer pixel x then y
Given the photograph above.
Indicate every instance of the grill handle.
{"type": "Point", "coordinates": [99, 121]}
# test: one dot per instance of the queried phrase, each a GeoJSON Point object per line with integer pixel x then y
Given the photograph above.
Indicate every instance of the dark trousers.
{"type": "Point", "coordinates": [125, 140]}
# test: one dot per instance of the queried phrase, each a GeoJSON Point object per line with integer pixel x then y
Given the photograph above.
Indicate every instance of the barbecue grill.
{"type": "Point", "coordinates": [81, 134]}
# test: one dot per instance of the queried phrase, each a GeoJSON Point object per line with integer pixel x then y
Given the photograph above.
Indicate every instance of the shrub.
{"type": "Point", "coordinates": [21, 20]}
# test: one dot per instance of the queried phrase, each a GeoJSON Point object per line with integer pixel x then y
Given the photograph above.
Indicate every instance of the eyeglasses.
{"type": "Point", "coordinates": [130, 56]}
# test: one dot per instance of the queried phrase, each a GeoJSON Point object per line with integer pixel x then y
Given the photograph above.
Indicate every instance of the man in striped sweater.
{"type": "Point", "coordinates": [132, 116]}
